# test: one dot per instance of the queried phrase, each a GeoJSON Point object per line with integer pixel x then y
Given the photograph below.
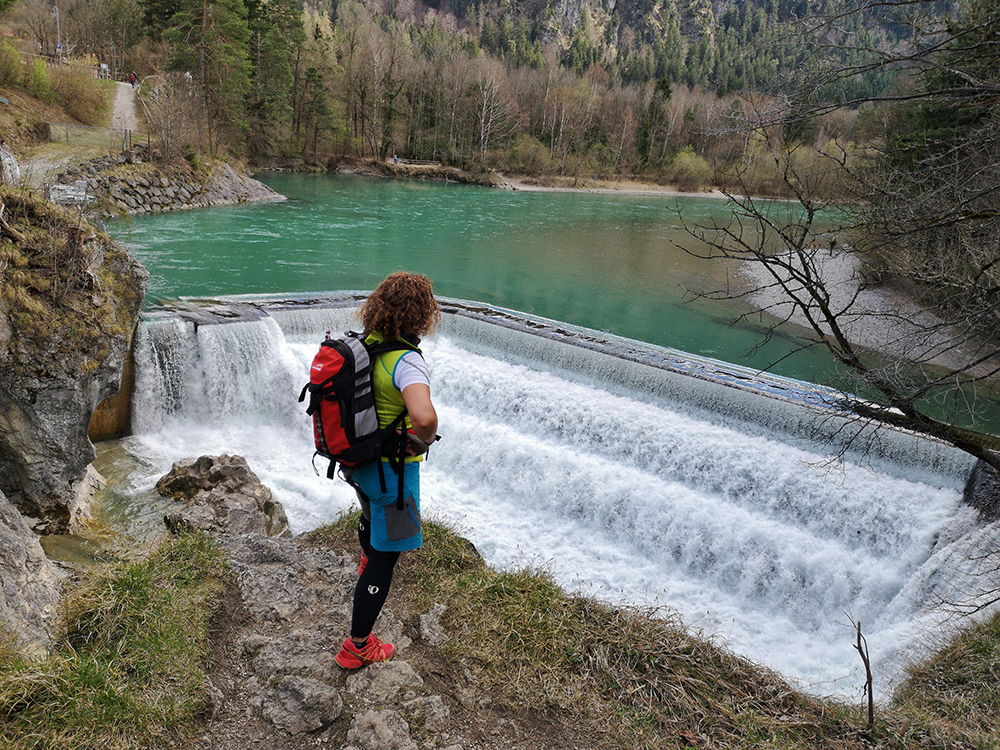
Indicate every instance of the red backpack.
{"type": "Point", "coordinates": [342, 404]}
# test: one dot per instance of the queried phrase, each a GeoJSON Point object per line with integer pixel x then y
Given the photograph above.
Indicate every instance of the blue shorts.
{"type": "Point", "coordinates": [392, 529]}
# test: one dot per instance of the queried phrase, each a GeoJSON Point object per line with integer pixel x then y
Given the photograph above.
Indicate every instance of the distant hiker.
{"type": "Point", "coordinates": [401, 309]}
{"type": "Point", "coordinates": [833, 244]}
{"type": "Point", "coordinates": [133, 79]}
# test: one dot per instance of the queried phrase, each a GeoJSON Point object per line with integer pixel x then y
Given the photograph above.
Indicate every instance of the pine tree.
{"type": "Point", "coordinates": [209, 41]}
{"type": "Point", "coordinates": [276, 33]}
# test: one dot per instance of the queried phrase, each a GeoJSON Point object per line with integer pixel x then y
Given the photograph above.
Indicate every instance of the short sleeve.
{"type": "Point", "coordinates": [410, 369]}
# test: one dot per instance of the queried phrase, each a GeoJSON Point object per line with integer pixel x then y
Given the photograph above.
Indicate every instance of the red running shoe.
{"type": "Point", "coordinates": [363, 563]}
{"type": "Point", "coordinates": [352, 657]}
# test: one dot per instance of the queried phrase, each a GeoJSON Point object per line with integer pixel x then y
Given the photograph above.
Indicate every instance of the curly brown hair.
{"type": "Point", "coordinates": [403, 304]}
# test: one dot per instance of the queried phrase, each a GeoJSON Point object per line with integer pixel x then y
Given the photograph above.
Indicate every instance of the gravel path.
{"type": "Point", "coordinates": [47, 162]}
{"type": "Point", "coordinates": [123, 115]}
{"type": "Point", "coordinates": [43, 167]}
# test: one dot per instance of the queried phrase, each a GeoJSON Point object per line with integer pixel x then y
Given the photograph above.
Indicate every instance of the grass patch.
{"type": "Point", "coordinates": [637, 678]}
{"type": "Point", "coordinates": [959, 686]}
{"type": "Point", "coordinates": [129, 671]}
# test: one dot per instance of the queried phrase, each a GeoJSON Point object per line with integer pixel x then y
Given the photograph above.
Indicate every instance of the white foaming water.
{"type": "Point", "coordinates": [771, 547]}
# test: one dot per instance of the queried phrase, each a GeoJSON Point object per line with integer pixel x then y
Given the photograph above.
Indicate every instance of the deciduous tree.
{"type": "Point", "coordinates": [925, 214]}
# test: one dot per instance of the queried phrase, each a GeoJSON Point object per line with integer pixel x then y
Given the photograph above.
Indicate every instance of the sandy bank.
{"type": "Point", "coordinates": [603, 187]}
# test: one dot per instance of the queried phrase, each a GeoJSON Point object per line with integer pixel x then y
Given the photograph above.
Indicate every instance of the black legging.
{"type": "Point", "coordinates": [373, 584]}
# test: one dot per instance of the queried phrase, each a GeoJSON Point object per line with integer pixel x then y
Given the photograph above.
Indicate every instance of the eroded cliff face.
{"type": "Point", "coordinates": [69, 301]}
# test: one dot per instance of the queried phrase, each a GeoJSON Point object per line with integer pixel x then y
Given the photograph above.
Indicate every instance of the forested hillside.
{"type": "Point", "coordinates": [568, 87]}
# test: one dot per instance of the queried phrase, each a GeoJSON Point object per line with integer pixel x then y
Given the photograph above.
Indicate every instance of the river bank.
{"type": "Point", "coordinates": [520, 183]}
{"type": "Point", "coordinates": [881, 319]}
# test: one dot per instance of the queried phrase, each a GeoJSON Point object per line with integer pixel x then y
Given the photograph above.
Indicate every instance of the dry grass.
{"type": "Point", "coordinates": [959, 686]}
{"type": "Point", "coordinates": [636, 678]}
{"type": "Point", "coordinates": [84, 98]}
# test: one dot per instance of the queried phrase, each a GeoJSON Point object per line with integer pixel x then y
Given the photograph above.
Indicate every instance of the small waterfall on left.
{"type": "Point", "coordinates": [632, 473]}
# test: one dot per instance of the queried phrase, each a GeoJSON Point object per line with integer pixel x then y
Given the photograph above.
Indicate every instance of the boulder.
{"type": "Point", "coordinates": [380, 730]}
{"type": "Point", "coordinates": [384, 682]}
{"type": "Point", "coordinates": [431, 629]}
{"type": "Point", "coordinates": [226, 186]}
{"type": "Point", "coordinates": [300, 704]}
{"type": "Point", "coordinates": [30, 585]}
{"type": "Point", "coordinates": [221, 495]}
{"type": "Point", "coordinates": [292, 679]}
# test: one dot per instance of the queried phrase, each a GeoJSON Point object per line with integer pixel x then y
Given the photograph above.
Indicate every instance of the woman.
{"type": "Point", "coordinates": [402, 309]}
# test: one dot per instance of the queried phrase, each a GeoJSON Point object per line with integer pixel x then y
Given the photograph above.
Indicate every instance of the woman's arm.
{"type": "Point", "coordinates": [417, 398]}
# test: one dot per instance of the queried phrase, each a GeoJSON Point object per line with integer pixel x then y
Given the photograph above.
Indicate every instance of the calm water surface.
{"type": "Point", "coordinates": [606, 262]}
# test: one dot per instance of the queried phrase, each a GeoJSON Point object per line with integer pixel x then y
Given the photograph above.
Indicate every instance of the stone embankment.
{"type": "Point", "coordinates": [130, 184]}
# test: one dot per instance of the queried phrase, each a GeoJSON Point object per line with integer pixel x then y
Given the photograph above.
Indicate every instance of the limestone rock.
{"type": "Point", "coordinates": [431, 629]}
{"type": "Point", "coordinates": [29, 584]}
{"type": "Point", "coordinates": [982, 492]}
{"type": "Point", "coordinates": [384, 681]}
{"type": "Point", "coordinates": [430, 711]}
{"type": "Point", "coordinates": [292, 679]}
{"type": "Point", "coordinates": [81, 507]}
{"type": "Point", "coordinates": [300, 704]}
{"type": "Point", "coordinates": [222, 495]}
{"type": "Point", "coordinates": [380, 730]}
{"type": "Point", "coordinates": [225, 186]}
{"type": "Point", "coordinates": [281, 581]}
{"type": "Point", "coordinates": [58, 365]}
{"type": "Point", "coordinates": [305, 653]}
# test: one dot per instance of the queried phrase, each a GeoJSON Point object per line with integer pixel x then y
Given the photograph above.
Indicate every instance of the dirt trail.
{"type": "Point", "coordinates": [123, 115]}
{"type": "Point", "coordinates": [46, 161]}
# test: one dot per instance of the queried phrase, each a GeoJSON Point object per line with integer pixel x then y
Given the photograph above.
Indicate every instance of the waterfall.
{"type": "Point", "coordinates": [632, 473]}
